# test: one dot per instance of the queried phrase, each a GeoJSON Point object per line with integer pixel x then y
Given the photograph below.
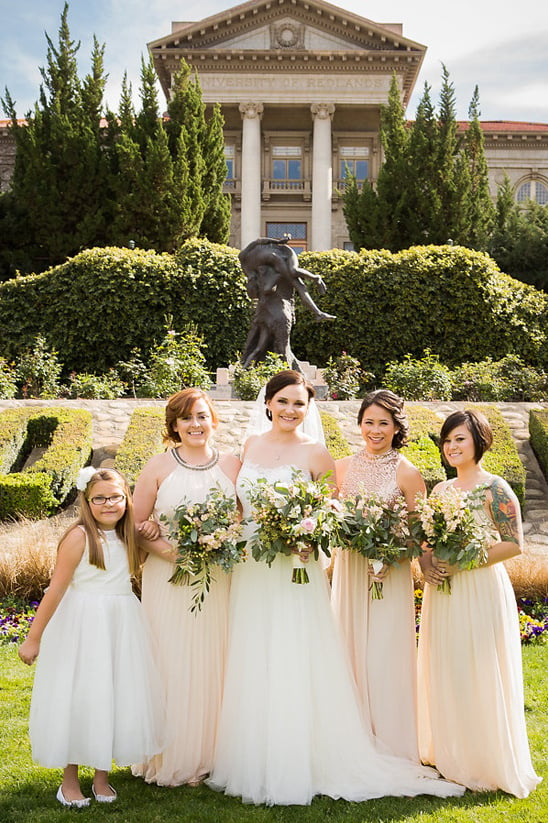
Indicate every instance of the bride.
{"type": "Point", "coordinates": [290, 725]}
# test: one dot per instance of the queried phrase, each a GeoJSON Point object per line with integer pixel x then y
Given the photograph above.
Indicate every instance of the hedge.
{"type": "Point", "coordinates": [423, 451]}
{"type": "Point", "coordinates": [538, 432]}
{"type": "Point", "coordinates": [335, 441]}
{"type": "Point", "coordinates": [142, 440]}
{"type": "Point", "coordinates": [452, 300]}
{"type": "Point", "coordinates": [66, 435]}
{"type": "Point", "coordinates": [95, 308]}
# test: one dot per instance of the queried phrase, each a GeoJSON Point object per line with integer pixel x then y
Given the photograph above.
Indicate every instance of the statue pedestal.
{"type": "Point", "coordinates": [223, 389]}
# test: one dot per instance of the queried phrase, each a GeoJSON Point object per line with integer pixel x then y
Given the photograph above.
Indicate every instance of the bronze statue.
{"type": "Point", "coordinates": [273, 276]}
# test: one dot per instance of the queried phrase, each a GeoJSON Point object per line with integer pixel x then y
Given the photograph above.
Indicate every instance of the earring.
{"type": "Point", "coordinates": [269, 414]}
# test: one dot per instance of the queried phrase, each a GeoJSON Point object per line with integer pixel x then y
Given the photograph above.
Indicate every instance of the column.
{"type": "Point", "coordinates": [251, 172]}
{"type": "Point", "coordinates": [322, 176]}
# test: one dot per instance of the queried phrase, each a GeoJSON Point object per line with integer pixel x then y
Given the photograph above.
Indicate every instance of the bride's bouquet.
{"type": "Point", "coordinates": [294, 517]}
{"type": "Point", "coordinates": [449, 528]}
{"type": "Point", "coordinates": [379, 532]}
{"type": "Point", "coordinates": [206, 534]}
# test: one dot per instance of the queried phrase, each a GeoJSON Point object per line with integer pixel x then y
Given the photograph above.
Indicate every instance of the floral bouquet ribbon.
{"type": "Point", "coordinates": [206, 534]}
{"type": "Point", "coordinates": [300, 516]}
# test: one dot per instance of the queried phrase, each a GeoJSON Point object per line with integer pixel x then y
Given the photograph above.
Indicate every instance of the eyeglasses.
{"type": "Point", "coordinates": [100, 499]}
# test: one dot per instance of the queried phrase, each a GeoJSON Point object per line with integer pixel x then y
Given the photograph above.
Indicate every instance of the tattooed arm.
{"type": "Point", "coordinates": [503, 507]}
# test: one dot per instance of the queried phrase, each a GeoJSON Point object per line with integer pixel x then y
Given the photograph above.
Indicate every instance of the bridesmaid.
{"type": "Point", "coordinates": [191, 647]}
{"type": "Point", "coordinates": [380, 634]}
{"type": "Point", "coordinates": [471, 718]}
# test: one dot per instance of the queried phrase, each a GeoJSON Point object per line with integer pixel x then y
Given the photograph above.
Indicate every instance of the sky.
{"type": "Point", "coordinates": [499, 46]}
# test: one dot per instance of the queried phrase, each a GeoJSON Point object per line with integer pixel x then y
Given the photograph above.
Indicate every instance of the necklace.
{"type": "Point", "coordinates": [212, 462]}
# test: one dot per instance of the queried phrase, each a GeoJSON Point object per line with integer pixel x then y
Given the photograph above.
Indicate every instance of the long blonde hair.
{"type": "Point", "coordinates": [125, 527]}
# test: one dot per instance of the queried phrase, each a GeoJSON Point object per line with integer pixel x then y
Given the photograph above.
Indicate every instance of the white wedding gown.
{"type": "Point", "coordinates": [290, 725]}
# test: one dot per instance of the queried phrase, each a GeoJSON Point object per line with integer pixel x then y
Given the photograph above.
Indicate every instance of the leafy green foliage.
{"type": "Point", "coordinates": [248, 382]}
{"type": "Point", "coordinates": [39, 370]}
{"type": "Point", "coordinates": [66, 436]}
{"type": "Point", "coordinates": [344, 377]}
{"type": "Point", "coordinates": [424, 379]}
{"type": "Point", "coordinates": [176, 363]}
{"type": "Point", "coordinates": [96, 386]}
{"type": "Point", "coordinates": [96, 306]}
{"type": "Point", "coordinates": [8, 380]}
{"type": "Point", "coordinates": [336, 443]}
{"type": "Point", "coordinates": [519, 243]}
{"type": "Point", "coordinates": [452, 300]}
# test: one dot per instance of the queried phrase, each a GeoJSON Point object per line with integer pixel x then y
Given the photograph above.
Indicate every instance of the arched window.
{"type": "Point", "coordinates": [533, 190]}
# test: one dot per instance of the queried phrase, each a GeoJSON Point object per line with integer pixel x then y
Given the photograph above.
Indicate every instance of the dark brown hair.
{"type": "Point", "coordinates": [478, 426]}
{"type": "Point", "coordinates": [179, 405]}
{"type": "Point", "coordinates": [393, 404]}
{"type": "Point", "coordinates": [279, 381]}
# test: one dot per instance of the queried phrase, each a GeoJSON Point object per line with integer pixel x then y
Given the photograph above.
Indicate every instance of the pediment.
{"type": "Point", "coordinates": [287, 25]}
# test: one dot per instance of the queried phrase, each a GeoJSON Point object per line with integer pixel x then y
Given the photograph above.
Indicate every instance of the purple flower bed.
{"type": "Point", "coordinates": [15, 619]}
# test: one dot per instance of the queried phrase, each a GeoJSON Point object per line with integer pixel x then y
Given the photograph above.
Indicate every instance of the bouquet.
{"type": "Point", "coordinates": [380, 532]}
{"type": "Point", "coordinates": [294, 517]}
{"type": "Point", "coordinates": [206, 534]}
{"type": "Point", "coordinates": [450, 529]}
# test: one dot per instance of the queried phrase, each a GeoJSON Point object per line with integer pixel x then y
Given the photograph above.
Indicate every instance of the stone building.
{"type": "Point", "coordinates": [301, 84]}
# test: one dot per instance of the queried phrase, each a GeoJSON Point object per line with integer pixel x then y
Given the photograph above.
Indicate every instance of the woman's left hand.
{"type": "Point", "coordinates": [381, 574]}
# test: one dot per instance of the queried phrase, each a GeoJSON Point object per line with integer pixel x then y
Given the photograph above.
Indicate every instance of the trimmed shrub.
{"type": "Point", "coordinates": [452, 300]}
{"type": "Point", "coordinates": [538, 431]}
{"type": "Point", "coordinates": [97, 305]}
{"type": "Point", "coordinates": [423, 451]}
{"type": "Point", "coordinates": [142, 440]}
{"type": "Point", "coordinates": [336, 443]}
{"type": "Point", "coordinates": [26, 495]}
{"type": "Point", "coordinates": [66, 434]}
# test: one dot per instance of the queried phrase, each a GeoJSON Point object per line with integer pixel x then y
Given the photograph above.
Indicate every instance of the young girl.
{"type": "Point", "coordinates": [96, 697]}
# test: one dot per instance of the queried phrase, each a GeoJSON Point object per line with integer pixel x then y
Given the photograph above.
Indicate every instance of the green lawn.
{"type": "Point", "coordinates": [27, 792]}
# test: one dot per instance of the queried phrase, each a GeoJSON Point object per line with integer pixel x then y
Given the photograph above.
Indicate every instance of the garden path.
{"type": "Point", "coordinates": [111, 418]}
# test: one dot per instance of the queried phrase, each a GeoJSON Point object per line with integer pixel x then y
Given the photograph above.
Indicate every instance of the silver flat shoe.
{"type": "Point", "coordinates": [104, 798]}
{"type": "Point", "coordinates": [73, 804]}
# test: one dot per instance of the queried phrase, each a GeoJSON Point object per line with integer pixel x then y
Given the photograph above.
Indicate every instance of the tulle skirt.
{"type": "Point", "coordinates": [97, 696]}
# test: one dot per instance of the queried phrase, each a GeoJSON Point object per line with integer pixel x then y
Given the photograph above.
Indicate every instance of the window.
{"type": "Point", "coordinates": [353, 161]}
{"type": "Point", "coordinates": [287, 167]}
{"type": "Point", "coordinates": [229, 160]}
{"type": "Point", "coordinates": [296, 230]}
{"type": "Point", "coordinates": [533, 190]}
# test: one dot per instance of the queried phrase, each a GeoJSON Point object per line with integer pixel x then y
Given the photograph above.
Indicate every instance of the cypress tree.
{"type": "Point", "coordinates": [481, 211]}
{"type": "Point", "coordinates": [59, 171]}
